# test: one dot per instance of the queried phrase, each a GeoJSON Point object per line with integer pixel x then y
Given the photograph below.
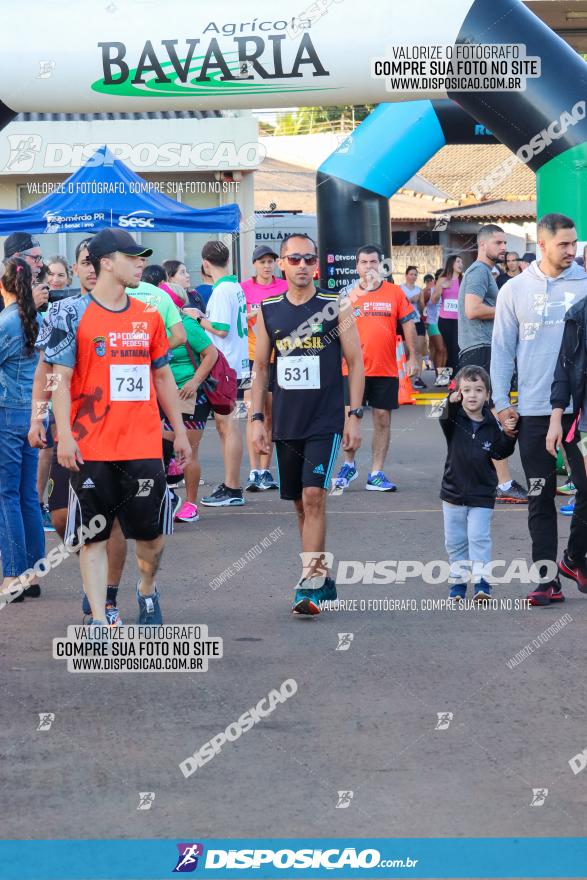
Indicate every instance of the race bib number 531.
{"type": "Point", "coordinates": [298, 373]}
{"type": "Point", "coordinates": [130, 382]}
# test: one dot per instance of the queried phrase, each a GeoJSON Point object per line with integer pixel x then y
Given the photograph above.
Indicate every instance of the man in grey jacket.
{"type": "Point", "coordinates": [529, 323]}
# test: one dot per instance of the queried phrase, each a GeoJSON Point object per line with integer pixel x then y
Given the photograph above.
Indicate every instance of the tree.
{"type": "Point", "coordinates": [314, 120]}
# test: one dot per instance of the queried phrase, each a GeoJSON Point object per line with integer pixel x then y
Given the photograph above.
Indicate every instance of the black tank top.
{"type": "Point", "coordinates": [313, 401]}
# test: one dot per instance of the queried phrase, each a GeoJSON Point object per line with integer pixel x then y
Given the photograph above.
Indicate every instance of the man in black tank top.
{"type": "Point", "coordinates": [308, 332]}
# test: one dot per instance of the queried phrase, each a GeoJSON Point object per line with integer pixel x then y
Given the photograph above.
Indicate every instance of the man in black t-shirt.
{"type": "Point", "coordinates": [308, 331]}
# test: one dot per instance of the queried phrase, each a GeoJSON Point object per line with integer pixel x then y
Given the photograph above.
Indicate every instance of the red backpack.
{"type": "Point", "coordinates": [221, 384]}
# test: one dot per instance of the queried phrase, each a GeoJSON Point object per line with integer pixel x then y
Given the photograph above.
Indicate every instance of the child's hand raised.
{"type": "Point", "coordinates": [455, 397]}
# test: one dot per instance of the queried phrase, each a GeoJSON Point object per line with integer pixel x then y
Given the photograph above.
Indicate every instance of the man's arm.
{"type": "Point", "coordinates": [259, 386]}
{"type": "Point", "coordinates": [504, 344]}
{"type": "Point", "coordinates": [166, 391]}
{"type": "Point", "coordinates": [351, 349]}
{"type": "Point", "coordinates": [476, 309]}
{"type": "Point", "coordinates": [409, 328]}
{"type": "Point", "coordinates": [68, 453]}
{"type": "Point", "coordinates": [40, 404]}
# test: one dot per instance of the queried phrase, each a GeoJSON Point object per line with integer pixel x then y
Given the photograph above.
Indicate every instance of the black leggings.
{"type": "Point", "coordinates": [449, 330]}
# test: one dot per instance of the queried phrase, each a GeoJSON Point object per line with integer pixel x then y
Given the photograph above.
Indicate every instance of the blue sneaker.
{"type": "Point", "coordinates": [482, 591]}
{"type": "Point", "coordinates": [267, 481]}
{"type": "Point", "coordinates": [379, 483]}
{"type": "Point", "coordinates": [346, 475]}
{"type": "Point", "coordinates": [111, 594]}
{"type": "Point", "coordinates": [149, 610]}
{"type": "Point", "coordinates": [255, 483]}
{"type": "Point", "coordinates": [307, 600]}
{"type": "Point", "coordinates": [568, 509]}
{"type": "Point", "coordinates": [458, 592]}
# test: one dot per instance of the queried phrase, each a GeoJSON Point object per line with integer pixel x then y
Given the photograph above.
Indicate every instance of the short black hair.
{"type": "Point", "coordinates": [553, 222]}
{"type": "Point", "coordinates": [80, 246]}
{"type": "Point", "coordinates": [487, 231]}
{"type": "Point", "coordinates": [217, 253]}
{"type": "Point", "coordinates": [154, 274]}
{"type": "Point", "coordinates": [296, 235]}
{"type": "Point", "coordinates": [428, 277]}
{"type": "Point", "coordinates": [369, 249]}
{"type": "Point", "coordinates": [472, 372]}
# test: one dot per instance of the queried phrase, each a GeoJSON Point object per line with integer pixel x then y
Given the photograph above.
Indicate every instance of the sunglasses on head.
{"type": "Point", "coordinates": [296, 259]}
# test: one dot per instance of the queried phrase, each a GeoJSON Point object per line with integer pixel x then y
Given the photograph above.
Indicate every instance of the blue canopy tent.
{"type": "Point", "coordinates": [104, 193]}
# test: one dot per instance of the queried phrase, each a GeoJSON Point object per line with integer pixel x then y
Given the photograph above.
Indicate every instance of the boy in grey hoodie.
{"type": "Point", "coordinates": [529, 323]}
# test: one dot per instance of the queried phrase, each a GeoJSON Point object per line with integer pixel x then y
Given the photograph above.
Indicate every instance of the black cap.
{"type": "Point", "coordinates": [263, 250]}
{"type": "Point", "coordinates": [528, 257]}
{"type": "Point", "coordinates": [108, 241]}
{"type": "Point", "coordinates": [18, 242]}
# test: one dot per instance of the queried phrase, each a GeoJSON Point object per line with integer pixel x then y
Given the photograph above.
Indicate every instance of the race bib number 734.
{"type": "Point", "coordinates": [130, 382]}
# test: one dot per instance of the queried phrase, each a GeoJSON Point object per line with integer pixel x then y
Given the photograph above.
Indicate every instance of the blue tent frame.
{"type": "Point", "coordinates": [106, 193]}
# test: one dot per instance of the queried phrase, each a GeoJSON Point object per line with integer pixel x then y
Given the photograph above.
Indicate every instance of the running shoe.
{"type": "Point", "coordinates": [482, 591]}
{"type": "Point", "coordinates": [32, 592]}
{"type": "Point", "coordinates": [443, 377]}
{"type": "Point", "coordinates": [111, 594]}
{"type": "Point", "coordinates": [418, 384]}
{"type": "Point", "coordinates": [46, 517]}
{"type": "Point", "coordinates": [545, 594]}
{"type": "Point", "coordinates": [574, 571]}
{"type": "Point", "coordinates": [255, 483]}
{"type": "Point", "coordinates": [268, 481]}
{"type": "Point", "coordinates": [149, 610]}
{"type": "Point", "coordinates": [379, 483]}
{"type": "Point", "coordinates": [345, 476]}
{"type": "Point", "coordinates": [307, 600]}
{"type": "Point", "coordinates": [175, 501]}
{"type": "Point", "coordinates": [458, 592]}
{"type": "Point", "coordinates": [112, 614]}
{"type": "Point", "coordinates": [516, 494]}
{"type": "Point", "coordinates": [224, 497]}
{"type": "Point", "coordinates": [188, 512]}
{"type": "Point", "coordinates": [567, 489]}
{"type": "Point", "coordinates": [568, 509]}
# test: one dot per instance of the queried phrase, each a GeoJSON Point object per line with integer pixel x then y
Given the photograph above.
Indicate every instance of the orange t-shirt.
{"type": "Point", "coordinates": [114, 411]}
{"type": "Point", "coordinates": [378, 313]}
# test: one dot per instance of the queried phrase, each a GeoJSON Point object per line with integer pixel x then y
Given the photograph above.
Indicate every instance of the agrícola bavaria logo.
{"type": "Point", "coordinates": [160, 72]}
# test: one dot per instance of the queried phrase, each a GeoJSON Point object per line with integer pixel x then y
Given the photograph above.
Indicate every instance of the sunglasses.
{"type": "Point", "coordinates": [296, 259]}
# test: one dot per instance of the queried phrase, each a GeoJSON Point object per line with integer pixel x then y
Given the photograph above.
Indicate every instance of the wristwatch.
{"type": "Point", "coordinates": [358, 412]}
{"type": "Point", "coordinates": [258, 417]}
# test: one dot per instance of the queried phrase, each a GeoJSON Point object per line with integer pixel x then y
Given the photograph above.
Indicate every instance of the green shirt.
{"type": "Point", "coordinates": [181, 365]}
{"type": "Point", "coordinates": [158, 298]}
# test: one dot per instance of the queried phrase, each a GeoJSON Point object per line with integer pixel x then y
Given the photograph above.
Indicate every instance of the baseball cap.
{"type": "Point", "coordinates": [528, 257]}
{"type": "Point", "coordinates": [18, 242]}
{"type": "Point", "coordinates": [263, 250]}
{"type": "Point", "coordinates": [108, 241]}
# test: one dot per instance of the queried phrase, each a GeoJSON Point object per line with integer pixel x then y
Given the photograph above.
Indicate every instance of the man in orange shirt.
{"type": "Point", "coordinates": [110, 354]}
{"type": "Point", "coordinates": [378, 308]}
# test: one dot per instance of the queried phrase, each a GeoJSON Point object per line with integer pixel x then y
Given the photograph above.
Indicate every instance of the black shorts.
{"type": "Point", "coordinates": [477, 357]}
{"type": "Point", "coordinates": [381, 392]}
{"type": "Point", "coordinates": [135, 492]}
{"type": "Point", "coordinates": [58, 485]}
{"type": "Point", "coordinates": [420, 328]}
{"type": "Point", "coordinates": [304, 463]}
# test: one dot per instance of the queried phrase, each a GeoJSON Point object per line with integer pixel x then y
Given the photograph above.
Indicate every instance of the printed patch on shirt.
{"type": "Point", "coordinates": [99, 345]}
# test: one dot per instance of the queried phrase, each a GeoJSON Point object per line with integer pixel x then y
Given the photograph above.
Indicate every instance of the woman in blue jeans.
{"type": "Point", "coordinates": [22, 541]}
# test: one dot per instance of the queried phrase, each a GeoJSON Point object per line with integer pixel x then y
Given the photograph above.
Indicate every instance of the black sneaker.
{"type": "Point", "coordinates": [516, 494]}
{"type": "Point", "coordinates": [418, 384]}
{"type": "Point", "coordinates": [224, 497]}
{"type": "Point", "coordinates": [175, 501]}
{"type": "Point", "coordinates": [32, 592]}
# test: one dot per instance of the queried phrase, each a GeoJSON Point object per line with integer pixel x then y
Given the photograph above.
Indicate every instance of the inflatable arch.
{"type": "Point", "coordinates": [140, 56]}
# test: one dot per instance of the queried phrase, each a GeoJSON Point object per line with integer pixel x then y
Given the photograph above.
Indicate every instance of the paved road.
{"type": "Point", "coordinates": [363, 720]}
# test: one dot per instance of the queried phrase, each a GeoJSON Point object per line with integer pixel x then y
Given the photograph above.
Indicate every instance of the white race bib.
{"type": "Point", "coordinates": [451, 305]}
{"type": "Point", "coordinates": [298, 373]}
{"type": "Point", "coordinates": [130, 382]}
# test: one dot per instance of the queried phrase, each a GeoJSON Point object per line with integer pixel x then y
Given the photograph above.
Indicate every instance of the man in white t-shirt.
{"type": "Point", "coordinates": [226, 322]}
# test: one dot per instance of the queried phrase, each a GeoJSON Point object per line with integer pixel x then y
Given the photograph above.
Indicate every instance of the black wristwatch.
{"type": "Point", "coordinates": [358, 412]}
{"type": "Point", "coordinates": [258, 417]}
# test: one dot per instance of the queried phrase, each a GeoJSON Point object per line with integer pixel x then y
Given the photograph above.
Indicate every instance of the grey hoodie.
{"type": "Point", "coordinates": [529, 324]}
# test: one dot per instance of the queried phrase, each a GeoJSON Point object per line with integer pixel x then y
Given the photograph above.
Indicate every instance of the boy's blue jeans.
{"type": "Point", "coordinates": [22, 539]}
{"type": "Point", "coordinates": [467, 536]}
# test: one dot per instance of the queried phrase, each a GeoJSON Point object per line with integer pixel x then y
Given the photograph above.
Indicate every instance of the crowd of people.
{"type": "Point", "coordinates": [106, 390]}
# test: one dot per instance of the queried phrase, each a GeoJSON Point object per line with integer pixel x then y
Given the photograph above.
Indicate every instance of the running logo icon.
{"type": "Point", "coordinates": [536, 485]}
{"type": "Point", "coordinates": [146, 799]}
{"type": "Point", "coordinates": [145, 487]}
{"type": "Point", "coordinates": [344, 799]}
{"type": "Point", "coordinates": [344, 641]}
{"type": "Point", "coordinates": [46, 719]}
{"type": "Point", "coordinates": [444, 719]}
{"type": "Point", "coordinates": [188, 857]}
{"type": "Point", "coordinates": [539, 795]}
